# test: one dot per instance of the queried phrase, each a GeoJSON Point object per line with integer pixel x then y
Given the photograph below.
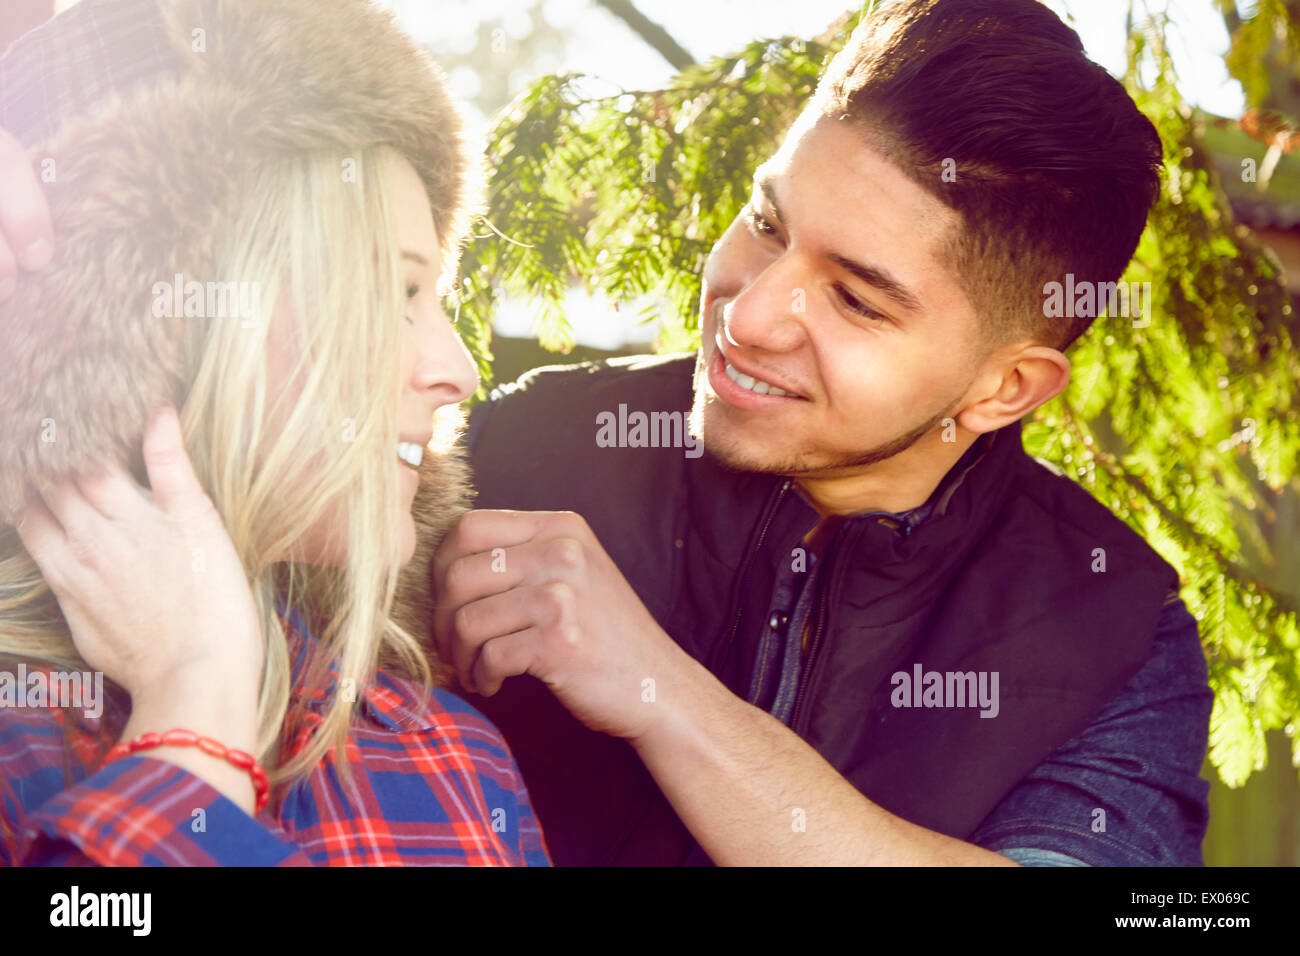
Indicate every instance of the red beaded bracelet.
{"type": "Point", "coordinates": [187, 738]}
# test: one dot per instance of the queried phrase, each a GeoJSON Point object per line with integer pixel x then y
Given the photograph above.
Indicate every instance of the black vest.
{"type": "Point", "coordinates": [1000, 578]}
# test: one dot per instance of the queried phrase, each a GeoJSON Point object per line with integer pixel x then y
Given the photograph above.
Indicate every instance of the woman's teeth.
{"type": "Point", "coordinates": [751, 383]}
{"type": "Point", "coordinates": [411, 453]}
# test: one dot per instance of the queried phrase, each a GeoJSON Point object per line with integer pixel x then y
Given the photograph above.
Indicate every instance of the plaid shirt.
{"type": "Point", "coordinates": [433, 783]}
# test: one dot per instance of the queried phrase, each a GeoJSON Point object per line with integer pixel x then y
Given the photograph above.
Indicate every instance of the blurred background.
{"type": "Point", "coordinates": [570, 266]}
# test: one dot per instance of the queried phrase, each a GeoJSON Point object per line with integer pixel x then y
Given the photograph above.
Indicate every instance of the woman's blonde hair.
{"type": "Point", "coordinates": [315, 238]}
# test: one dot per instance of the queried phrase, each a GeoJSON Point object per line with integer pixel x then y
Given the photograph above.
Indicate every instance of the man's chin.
{"type": "Point", "coordinates": [734, 451]}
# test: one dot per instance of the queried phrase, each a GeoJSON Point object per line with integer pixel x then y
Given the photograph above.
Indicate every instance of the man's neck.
{"type": "Point", "coordinates": [897, 484]}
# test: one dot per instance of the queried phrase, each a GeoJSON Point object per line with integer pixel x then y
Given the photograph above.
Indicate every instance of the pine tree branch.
{"type": "Point", "coordinates": [651, 32]}
{"type": "Point", "coordinates": [1231, 569]}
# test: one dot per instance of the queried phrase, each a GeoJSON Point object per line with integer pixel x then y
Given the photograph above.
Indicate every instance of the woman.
{"type": "Point", "coordinates": [257, 236]}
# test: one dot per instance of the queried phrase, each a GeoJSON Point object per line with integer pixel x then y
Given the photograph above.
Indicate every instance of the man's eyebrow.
{"type": "Point", "coordinates": [872, 276]}
{"type": "Point", "coordinates": [879, 279]}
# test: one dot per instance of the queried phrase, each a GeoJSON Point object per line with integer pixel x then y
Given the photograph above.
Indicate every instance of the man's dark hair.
{"type": "Point", "coordinates": [1055, 167]}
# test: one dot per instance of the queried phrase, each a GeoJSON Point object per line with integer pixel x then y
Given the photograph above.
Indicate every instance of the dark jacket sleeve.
{"type": "Point", "coordinates": [1128, 790]}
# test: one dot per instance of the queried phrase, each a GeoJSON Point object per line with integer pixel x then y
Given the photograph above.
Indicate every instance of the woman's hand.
{"type": "Point", "coordinates": [26, 237]}
{"type": "Point", "coordinates": [156, 598]}
{"type": "Point", "coordinates": [149, 583]}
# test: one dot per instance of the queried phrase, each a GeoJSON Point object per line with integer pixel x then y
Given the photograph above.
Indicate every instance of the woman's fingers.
{"type": "Point", "coordinates": [37, 526]}
{"type": "Point", "coordinates": [79, 521]}
{"type": "Point", "coordinates": [26, 234]}
{"type": "Point", "coordinates": [113, 493]}
{"type": "Point", "coordinates": [44, 539]}
{"type": "Point", "coordinates": [8, 270]}
{"type": "Point", "coordinates": [176, 489]}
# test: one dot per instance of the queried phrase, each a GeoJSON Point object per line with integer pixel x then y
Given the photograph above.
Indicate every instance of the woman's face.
{"type": "Point", "coordinates": [436, 369]}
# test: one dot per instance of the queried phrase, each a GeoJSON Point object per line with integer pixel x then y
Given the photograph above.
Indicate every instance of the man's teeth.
{"type": "Point", "coordinates": [410, 452]}
{"type": "Point", "coordinates": [753, 384]}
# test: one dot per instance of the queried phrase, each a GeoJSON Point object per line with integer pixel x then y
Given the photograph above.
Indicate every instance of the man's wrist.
{"type": "Point", "coordinates": [679, 702]}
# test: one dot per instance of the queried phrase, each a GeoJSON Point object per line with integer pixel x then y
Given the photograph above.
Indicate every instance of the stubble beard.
{"type": "Point", "coordinates": [734, 456]}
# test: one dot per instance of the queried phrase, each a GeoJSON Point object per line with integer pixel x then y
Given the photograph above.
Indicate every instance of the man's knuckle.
{"type": "Point", "coordinates": [463, 620]}
{"type": "Point", "coordinates": [565, 554]}
{"type": "Point", "coordinates": [559, 599]}
{"type": "Point", "coordinates": [492, 656]}
{"type": "Point", "coordinates": [457, 578]}
{"type": "Point", "coordinates": [565, 632]}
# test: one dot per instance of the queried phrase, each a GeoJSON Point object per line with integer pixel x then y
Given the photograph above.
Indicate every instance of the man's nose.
{"type": "Point", "coordinates": [767, 314]}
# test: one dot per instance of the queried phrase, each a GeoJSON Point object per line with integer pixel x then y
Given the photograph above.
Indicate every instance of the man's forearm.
{"type": "Point", "coordinates": [755, 794]}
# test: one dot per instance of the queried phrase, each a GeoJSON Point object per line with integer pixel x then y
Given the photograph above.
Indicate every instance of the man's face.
{"type": "Point", "coordinates": [831, 285]}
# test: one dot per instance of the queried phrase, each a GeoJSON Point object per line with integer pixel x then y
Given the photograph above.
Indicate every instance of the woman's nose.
{"type": "Point", "coordinates": [444, 370]}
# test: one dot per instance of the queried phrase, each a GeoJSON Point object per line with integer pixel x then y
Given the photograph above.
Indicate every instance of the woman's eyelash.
{"type": "Point", "coordinates": [758, 222]}
{"type": "Point", "coordinates": [411, 292]}
{"type": "Point", "coordinates": [854, 304]}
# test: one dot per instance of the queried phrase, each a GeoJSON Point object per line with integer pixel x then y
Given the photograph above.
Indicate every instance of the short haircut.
{"type": "Point", "coordinates": [1051, 166]}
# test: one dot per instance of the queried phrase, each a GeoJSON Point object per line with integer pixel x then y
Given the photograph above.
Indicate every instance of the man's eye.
{"type": "Point", "coordinates": [854, 304]}
{"type": "Point", "coordinates": [758, 223]}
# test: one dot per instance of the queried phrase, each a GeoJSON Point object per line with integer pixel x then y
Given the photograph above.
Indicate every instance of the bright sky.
{"type": "Point", "coordinates": [602, 45]}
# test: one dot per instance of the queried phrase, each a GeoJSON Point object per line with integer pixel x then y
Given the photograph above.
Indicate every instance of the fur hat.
{"type": "Point", "coordinates": [142, 176]}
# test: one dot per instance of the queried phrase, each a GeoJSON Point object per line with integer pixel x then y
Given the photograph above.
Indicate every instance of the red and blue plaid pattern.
{"type": "Point", "coordinates": [432, 783]}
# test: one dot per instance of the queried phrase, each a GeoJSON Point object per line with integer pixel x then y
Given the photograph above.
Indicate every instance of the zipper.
{"type": "Point", "coordinates": [769, 512]}
{"type": "Point", "coordinates": [810, 670]}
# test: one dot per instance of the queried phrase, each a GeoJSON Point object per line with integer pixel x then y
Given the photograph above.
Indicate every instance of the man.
{"type": "Point", "coordinates": [865, 627]}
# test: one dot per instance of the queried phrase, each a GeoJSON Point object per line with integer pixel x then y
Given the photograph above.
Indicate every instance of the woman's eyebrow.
{"type": "Point", "coordinates": [766, 188]}
{"type": "Point", "coordinates": [414, 257]}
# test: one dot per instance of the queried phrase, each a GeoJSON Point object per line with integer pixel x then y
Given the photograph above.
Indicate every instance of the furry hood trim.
{"type": "Point", "coordinates": [142, 179]}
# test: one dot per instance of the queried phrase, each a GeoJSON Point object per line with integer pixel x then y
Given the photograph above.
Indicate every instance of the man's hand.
{"type": "Point", "coordinates": [534, 592]}
{"type": "Point", "coordinates": [26, 235]}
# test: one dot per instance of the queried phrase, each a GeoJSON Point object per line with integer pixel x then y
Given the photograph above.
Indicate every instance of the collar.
{"type": "Point", "coordinates": [905, 522]}
{"type": "Point", "coordinates": [390, 702]}
{"type": "Point", "coordinates": [956, 514]}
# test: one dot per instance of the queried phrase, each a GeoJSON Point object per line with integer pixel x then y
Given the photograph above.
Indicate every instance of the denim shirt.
{"type": "Point", "coordinates": [1125, 792]}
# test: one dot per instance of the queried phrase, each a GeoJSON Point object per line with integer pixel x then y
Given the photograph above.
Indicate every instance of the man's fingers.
{"type": "Point", "coordinates": [24, 213]}
{"type": "Point", "coordinates": [480, 621]}
{"type": "Point", "coordinates": [503, 657]}
{"type": "Point", "coordinates": [483, 530]}
{"type": "Point", "coordinates": [466, 579]}
{"type": "Point", "coordinates": [176, 489]}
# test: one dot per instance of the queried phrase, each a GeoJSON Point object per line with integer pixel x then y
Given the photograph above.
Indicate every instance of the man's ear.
{"type": "Point", "coordinates": [1013, 386]}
